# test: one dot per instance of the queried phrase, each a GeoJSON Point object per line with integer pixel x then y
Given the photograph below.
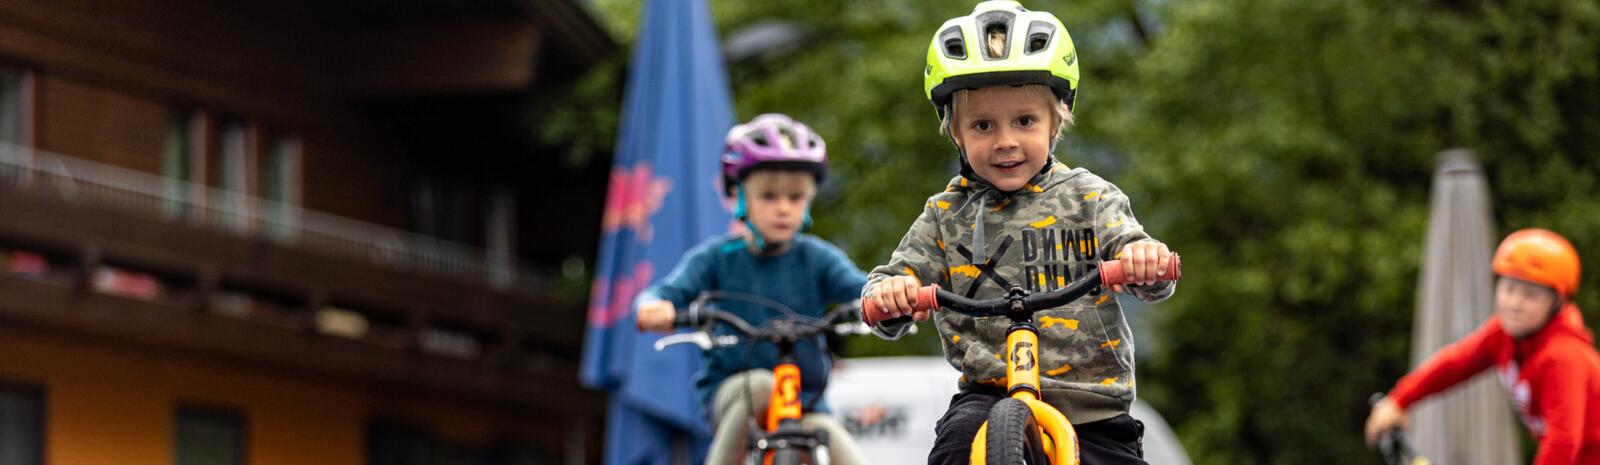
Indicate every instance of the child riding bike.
{"type": "Point", "coordinates": [1545, 355]}
{"type": "Point", "coordinates": [1002, 81]}
{"type": "Point", "coordinates": [783, 439]}
{"type": "Point", "coordinates": [771, 166]}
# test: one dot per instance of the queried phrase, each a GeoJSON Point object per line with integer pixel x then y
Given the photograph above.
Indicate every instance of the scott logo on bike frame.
{"type": "Point", "coordinates": [1022, 357]}
{"type": "Point", "coordinates": [788, 386]}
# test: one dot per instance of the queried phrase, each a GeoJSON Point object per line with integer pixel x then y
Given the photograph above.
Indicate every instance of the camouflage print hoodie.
{"type": "Point", "coordinates": [1042, 236]}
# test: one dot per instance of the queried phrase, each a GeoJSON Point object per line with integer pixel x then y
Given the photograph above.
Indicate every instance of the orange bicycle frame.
{"type": "Point", "coordinates": [785, 401]}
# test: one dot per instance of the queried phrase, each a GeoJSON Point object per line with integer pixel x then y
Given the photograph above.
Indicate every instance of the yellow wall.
{"type": "Point", "coordinates": [108, 403]}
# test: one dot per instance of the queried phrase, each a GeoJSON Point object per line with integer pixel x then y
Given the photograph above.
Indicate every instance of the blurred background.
{"type": "Point", "coordinates": [365, 232]}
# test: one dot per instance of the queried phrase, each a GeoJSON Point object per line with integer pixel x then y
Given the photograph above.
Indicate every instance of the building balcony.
{"type": "Point", "coordinates": [98, 252]}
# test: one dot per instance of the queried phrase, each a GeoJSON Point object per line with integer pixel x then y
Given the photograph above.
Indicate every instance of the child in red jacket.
{"type": "Point", "coordinates": [1536, 339]}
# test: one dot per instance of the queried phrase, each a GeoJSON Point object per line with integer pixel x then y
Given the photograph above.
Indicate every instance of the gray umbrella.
{"type": "Point", "coordinates": [1470, 425]}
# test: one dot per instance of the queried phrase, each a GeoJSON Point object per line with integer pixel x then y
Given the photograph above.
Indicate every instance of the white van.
{"type": "Point", "coordinates": [890, 405]}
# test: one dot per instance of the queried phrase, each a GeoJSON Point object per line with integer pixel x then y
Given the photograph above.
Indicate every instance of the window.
{"type": "Point", "coordinates": [233, 175]}
{"type": "Point", "coordinates": [502, 234]}
{"type": "Point", "coordinates": [398, 443]}
{"type": "Point", "coordinates": [176, 161]}
{"type": "Point", "coordinates": [280, 185]}
{"type": "Point", "coordinates": [14, 110]}
{"type": "Point", "coordinates": [446, 209]}
{"type": "Point", "coordinates": [21, 425]}
{"type": "Point", "coordinates": [209, 437]}
{"type": "Point", "coordinates": [242, 160]}
{"type": "Point", "coordinates": [11, 106]}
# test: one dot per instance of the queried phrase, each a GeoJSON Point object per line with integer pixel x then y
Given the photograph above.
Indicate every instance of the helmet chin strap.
{"type": "Point", "coordinates": [741, 211]}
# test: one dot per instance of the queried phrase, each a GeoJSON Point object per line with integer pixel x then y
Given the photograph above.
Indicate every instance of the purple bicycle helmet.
{"type": "Point", "coordinates": [771, 141]}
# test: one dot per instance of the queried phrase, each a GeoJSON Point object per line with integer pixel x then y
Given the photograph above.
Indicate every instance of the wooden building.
{"type": "Point", "coordinates": [288, 232]}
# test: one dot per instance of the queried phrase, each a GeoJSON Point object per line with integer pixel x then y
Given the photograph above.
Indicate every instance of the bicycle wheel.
{"type": "Point", "coordinates": [1013, 436]}
{"type": "Point", "coordinates": [786, 457]}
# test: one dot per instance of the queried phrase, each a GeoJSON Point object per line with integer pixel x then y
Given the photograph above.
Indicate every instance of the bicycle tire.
{"type": "Point", "coordinates": [1013, 436]}
{"type": "Point", "coordinates": [786, 457]}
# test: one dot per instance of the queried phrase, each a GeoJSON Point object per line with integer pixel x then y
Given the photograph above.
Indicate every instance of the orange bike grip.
{"type": "Point", "coordinates": [1111, 272]}
{"type": "Point", "coordinates": [871, 313]}
{"type": "Point", "coordinates": [927, 299]}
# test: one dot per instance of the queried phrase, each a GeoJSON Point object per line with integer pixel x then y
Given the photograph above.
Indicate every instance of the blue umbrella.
{"type": "Point", "coordinates": [662, 200]}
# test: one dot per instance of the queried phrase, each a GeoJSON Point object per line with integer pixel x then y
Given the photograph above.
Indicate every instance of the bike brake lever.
{"type": "Point", "coordinates": [859, 328]}
{"type": "Point", "coordinates": [698, 338]}
{"type": "Point", "coordinates": [852, 328]}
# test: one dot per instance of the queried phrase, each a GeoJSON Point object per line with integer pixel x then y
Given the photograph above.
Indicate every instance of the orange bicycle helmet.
{"type": "Point", "coordinates": [1539, 256]}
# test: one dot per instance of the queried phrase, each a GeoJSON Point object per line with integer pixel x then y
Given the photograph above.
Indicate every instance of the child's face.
{"type": "Point", "coordinates": [1523, 307]}
{"type": "Point", "coordinates": [1005, 131]}
{"type": "Point", "coordinates": [777, 201]}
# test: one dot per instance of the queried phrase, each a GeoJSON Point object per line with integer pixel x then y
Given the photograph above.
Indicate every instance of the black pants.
{"type": "Point", "coordinates": [1114, 441]}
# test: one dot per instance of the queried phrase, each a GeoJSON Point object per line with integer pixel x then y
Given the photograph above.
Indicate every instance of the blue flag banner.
{"type": "Point", "coordinates": [662, 200]}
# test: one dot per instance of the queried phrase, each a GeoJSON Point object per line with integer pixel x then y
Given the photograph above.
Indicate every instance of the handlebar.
{"type": "Point", "coordinates": [1392, 444]}
{"type": "Point", "coordinates": [790, 327]}
{"type": "Point", "coordinates": [1019, 302]}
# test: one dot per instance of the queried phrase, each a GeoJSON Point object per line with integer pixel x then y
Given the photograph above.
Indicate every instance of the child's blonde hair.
{"type": "Point", "coordinates": [1059, 112]}
{"type": "Point", "coordinates": [782, 180]}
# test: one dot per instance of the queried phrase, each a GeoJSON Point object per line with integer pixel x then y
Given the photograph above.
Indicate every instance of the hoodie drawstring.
{"type": "Point", "coordinates": [978, 246]}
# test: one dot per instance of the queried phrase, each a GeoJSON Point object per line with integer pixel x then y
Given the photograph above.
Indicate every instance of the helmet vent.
{"type": "Point", "coordinates": [1036, 42]}
{"type": "Point", "coordinates": [1039, 35]}
{"type": "Point", "coordinates": [786, 138]}
{"type": "Point", "coordinates": [996, 27]}
{"type": "Point", "coordinates": [994, 38]}
{"type": "Point", "coordinates": [955, 46]}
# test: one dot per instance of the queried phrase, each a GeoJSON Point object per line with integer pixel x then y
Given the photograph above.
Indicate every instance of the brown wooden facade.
{"type": "Point", "coordinates": [350, 113]}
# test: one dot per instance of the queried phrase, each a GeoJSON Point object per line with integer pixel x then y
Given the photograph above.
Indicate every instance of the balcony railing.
{"type": "Point", "coordinates": [119, 255]}
{"type": "Point", "coordinates": [78, 180]}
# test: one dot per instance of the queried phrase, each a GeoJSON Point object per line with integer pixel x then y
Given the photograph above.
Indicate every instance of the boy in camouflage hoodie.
{"type": "Point", "coordinates": [1015, 215]}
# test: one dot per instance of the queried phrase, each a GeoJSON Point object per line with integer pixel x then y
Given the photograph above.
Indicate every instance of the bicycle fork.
{"type": "Point", "coordinates": [1060, 441]}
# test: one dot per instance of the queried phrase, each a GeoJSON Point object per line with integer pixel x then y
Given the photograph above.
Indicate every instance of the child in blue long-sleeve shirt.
{"type": "Point", "coordinates": [772, 166]}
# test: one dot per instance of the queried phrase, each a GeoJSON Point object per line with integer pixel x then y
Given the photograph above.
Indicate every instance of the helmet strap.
{"type": "Point", "coordinates": [741, 212]}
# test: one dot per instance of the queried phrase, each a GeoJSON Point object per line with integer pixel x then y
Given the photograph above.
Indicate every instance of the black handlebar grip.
{"type": "Point", "coordinates": [682, 320]}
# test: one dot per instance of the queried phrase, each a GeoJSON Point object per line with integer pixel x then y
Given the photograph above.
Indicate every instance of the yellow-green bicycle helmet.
{"type": "Point", "coordinates": [1037, 50]}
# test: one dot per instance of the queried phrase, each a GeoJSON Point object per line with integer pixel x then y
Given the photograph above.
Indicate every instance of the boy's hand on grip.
{"type": "Point", "coordinates": [656, 315]}
{"type": "Point", "coordinates": [891, 298]}
{"type": "Point", "coordinates": [1386, 415]}
{"type": "Point", "coordinates": [1144, 263]}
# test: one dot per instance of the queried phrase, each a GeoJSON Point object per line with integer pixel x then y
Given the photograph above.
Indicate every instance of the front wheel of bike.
{"type": "Point", "coordinates": [1013, 435]}
{"type": "Point", "coordinates": [786, 457]}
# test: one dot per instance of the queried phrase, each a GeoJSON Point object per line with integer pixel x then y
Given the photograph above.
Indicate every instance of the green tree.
{"type": "Point", "coordinates": [1285, 148]}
